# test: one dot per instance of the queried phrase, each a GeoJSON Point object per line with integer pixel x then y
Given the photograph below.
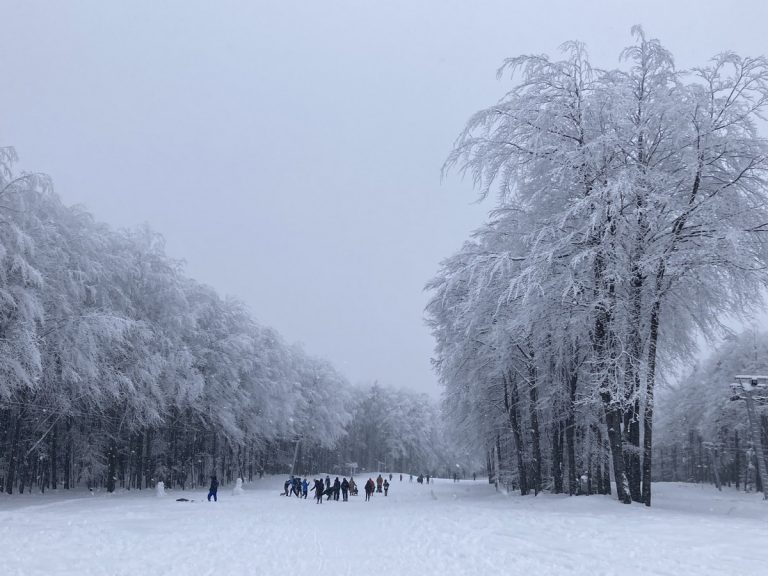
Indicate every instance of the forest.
{"type": "Point", "coordinates": [118, 371]}
{"type": "Point", "coordinates": [629, 226]}
{"type": "Point", "coordinates": [630, 223]}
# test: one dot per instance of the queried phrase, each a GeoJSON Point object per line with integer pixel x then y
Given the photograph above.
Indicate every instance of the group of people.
{"type": "Point", "coordinates": [381, 483]}
{"type": "Point", "coordinates": [332, 490]}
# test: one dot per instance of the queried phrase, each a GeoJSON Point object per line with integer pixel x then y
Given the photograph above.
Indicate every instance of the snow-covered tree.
{"type": "Point", "coordinates": [631, 214]}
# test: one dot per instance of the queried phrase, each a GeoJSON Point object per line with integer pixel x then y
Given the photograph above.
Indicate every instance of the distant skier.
{"type": "Point", "coordinates": [369, 488]}
{"type": "Point", "coordinates": [344, 490]}
{"type": "Point", "coordinates": [304, 488]}
{"type": "Point", "coordinates": [390, 476]}
{"type": "Point", "coordinates": [213, 489]}
{"type": "Point", "coordinates": [386, 487]}
{"type": "Point", "coordinates": [379, 481]}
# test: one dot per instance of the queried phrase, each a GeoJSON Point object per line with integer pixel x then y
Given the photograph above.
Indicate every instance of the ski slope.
{"type": "Point", "coordinates": [445, 528]}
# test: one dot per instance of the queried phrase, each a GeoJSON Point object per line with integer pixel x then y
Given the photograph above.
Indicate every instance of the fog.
{"type": "Point", "coordinates": [290, 152]}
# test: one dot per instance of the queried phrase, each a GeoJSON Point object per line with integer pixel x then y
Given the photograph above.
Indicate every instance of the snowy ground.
{"type": "Point", "coordinates": [444, 528]}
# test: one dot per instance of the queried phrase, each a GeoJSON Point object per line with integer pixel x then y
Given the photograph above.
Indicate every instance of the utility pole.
{"type": "Point", "coordinates": [746, 387]}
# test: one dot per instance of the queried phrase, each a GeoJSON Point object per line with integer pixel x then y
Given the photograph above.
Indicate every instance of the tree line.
{"type": "Point", "coordinates": [631, 217]}
{"type": "Point", "coordinates": [704, 435]}
{"type": "Point", "coordinates": [117, 370]}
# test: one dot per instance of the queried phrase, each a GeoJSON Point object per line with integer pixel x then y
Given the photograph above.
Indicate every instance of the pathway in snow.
{"type": "Point", "coordinates": [444, 528]}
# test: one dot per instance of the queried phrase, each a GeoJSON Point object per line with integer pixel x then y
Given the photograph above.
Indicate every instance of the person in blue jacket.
{"type": "Point", "coordinates": [304, 488]}
{"type": "Point", "coordinates": [213, 489]}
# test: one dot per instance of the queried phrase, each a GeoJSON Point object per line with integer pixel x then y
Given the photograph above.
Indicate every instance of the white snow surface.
{"type": "Point", "coordinates": [445, 528]}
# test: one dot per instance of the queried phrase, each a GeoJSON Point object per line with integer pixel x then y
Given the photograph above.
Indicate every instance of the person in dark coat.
{"type": "Point", "coordinates": [288, 486]}
{"type": "Point", "coordinates": [213, 489]}
{"type": "Point", "coordinates": [297, 487]}
{"type": "Point", "coordinates": [386, 487]}
{"type": "Point", "coordinates": [369, 488]}
{"type": "Point", "coordinates": [344, 489]}
{"type": "Point", "coordinates": [327, 482]}
{"type": "Point", "coordinates": [336, 488]}
{"type": "Point", "coordinates": [379, 481]}
{"type": "Point", "coordinates": [318, 488]}
{"type": "Point", "coordinates": [304, 488]}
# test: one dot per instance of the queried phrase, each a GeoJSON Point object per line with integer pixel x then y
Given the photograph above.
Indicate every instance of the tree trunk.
{"type": "Point", "coordinates": [535, 433]}
{"type": "Point", "coordinates": [557, 457]}
{"type": "Point", "coordinates": [13, 453]}
{"type": "Point", "coordinates": [570, 432]}
{"type": "Point", "coordinates": [111, 466]}
{"type": "Point", "coordinates": [649, 400]}
{"type": "Point", "coordinates": [147, 464]}
{"type": "Point", "coordinates": [613, 424]}
{"type": "Point", "coordinates": [511, 402]}
{"type": "Point", "coordinates": [54, 453]}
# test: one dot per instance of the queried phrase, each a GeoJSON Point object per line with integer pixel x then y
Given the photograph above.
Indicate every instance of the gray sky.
{"type": "Point", "coordinates": [290, 151]}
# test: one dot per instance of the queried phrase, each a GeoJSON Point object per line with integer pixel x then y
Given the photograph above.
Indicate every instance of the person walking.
{"type": "Point", "coordinates": [213, 489]}
{"type": "Point", "coordinates": [379, 481]}
{"type": "Point", "coordinates": [336, 489]}
{"type": "Point", "coordinates": [344, 490]}
{"type": "Point", "coordinates": [369, 488]}
{"type": "Point", "coordinates": [304, 488]}
{"type": "Point", "coordinates": [386, 487]}
{"type": "Point", "coordinates": [318, 488]}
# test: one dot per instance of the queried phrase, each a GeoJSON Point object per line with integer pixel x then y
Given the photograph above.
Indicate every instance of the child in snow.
{"type": "Point", "coordinates": [386, 487]}
{"type": "Point", "coordinates": [213, 489]}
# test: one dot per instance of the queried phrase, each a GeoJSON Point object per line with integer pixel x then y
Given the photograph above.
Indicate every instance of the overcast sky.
{"type": "Point", "coordinates": [290, 151]}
